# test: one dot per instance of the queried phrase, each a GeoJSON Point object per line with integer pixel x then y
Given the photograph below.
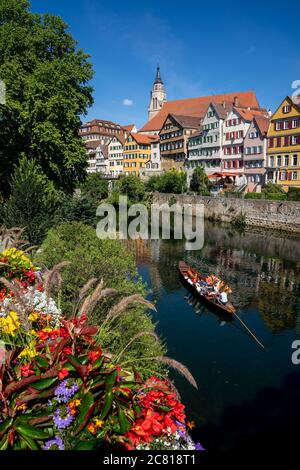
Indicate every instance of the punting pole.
{"type": "Point", "coordinates": [249, 331]}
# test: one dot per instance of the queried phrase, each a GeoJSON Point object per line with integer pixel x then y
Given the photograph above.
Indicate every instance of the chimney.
{"type": "Point", "coordinates": [269, 113]}
{"type": "Point", "coordinates": [235, 101]}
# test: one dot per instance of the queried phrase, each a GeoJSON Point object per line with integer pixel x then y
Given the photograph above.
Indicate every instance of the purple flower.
{"type": "Point", "coordinates": [54, 444]}
{"type": "Point", "coordinates": [62, 418]}
{"type": "Point", "coordinates": [198, 446]}
{"type": "Point", "coordinates": [65, 390]}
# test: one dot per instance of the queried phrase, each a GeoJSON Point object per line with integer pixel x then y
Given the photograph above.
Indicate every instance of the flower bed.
{"type": "Point", "coordinates": [59, 390]}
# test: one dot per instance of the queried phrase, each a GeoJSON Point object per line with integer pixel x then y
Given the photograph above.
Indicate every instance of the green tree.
{"type": "Point", "coordinates": [95, 187]}
{"type": "Point", "coordinates": [172, 181]}
{"type": "Point", "coordinates": [200, 182]}
{"type": "Point", "coordinates": [133, 187]}
{"type": "Point", "coordinates": [47, 90]}
{"type": "Point", "coordinates": [33, 203]}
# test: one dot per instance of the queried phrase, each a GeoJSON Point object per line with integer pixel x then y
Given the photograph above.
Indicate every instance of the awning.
{"type": "Point", "coordinates": [221, 175]}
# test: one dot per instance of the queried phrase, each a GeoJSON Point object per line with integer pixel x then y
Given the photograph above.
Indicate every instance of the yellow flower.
{"type": "Point", "coordinates": [33, 332]}
{"type": "Point", "coordinates": [99, 423]}
{"type": "Point", "coordinates": [29, 351]}
{"type": "Point", "coordinates": [33, 316]}
{"type": "Point", "coordinates": [22, 407]}
{"type": "Point", "coordinates": [10, 323]}
{"type": "Point", "coordinates": [190, 424]}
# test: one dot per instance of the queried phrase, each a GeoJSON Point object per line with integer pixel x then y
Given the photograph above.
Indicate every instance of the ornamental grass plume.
{"type": "Point", "coordinates": [95, 297]}
{"type": "Point", "coordinates": [183, 370]}
{"type": "Point", "coordinates": [86, 288]}
{"type": "Point", "coordinates": [53, 277]}
{"type": "Point", "coordinates": [11, 238]}
{"type": "Point", "coordinates": [121, 307]}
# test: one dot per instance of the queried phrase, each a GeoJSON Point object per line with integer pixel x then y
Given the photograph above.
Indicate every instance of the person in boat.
{"type": "Point", "coordinates": [223, 297]}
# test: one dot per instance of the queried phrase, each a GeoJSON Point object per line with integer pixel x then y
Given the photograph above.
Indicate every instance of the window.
{"type": "Point", "coordinates": [277, 126]}
{"type": "Point", "coordinates": [279, 161]}
{"type": "Point", "coordinates": [294, 140]}
{"type": "Point", "coordinates": [294, 175]}
{"type": "Point", "coordinates": [278, 142]}
{"type": "Point", "coordinates": [285, 124]}
{"type": "Point", "coordinates": [294, 123]}
{"type": "Point", "coordinates": [295, 160]}
{"type": "Point", "coordinates": [283, 175]}
{"type": "Point", "coordinates": [286, 109]}
{"type": "Point", "coordinates": [286, 160]}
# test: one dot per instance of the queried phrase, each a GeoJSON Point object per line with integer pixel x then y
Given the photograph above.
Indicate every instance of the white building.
{"type": "Point", "coordinates": [205, 147]}
{"type": "Point", "coordinates": [97, 157]}
{"type": "Point", "coordinates": [153, 166]}
{"type": "Point", "coordinates": [115, 156]}
{"type": "Point", "coordinates": [236, 127]}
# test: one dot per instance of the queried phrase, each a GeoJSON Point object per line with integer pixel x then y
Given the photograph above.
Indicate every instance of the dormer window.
{"type": "Point", "coordinates": [286, 109]}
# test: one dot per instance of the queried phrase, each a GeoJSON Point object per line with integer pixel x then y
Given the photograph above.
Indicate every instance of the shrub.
{"type": "Point", "coordinates": [276, 196]}
{"type": "Point", "coordinates": [273, 188]}
{"type": "Point", "coordinates": [293, 194]}
{"type": "Point", "coordinates": [133, 187]}
{"type": "Point", "coordinates": [109, 260]}
{"type": "Point", "coordinates": [172, 181]}
{"type": "Point", "coordinates": [239, 221]}
{"type": "Point", "coordinates": [200, 182]}
{"type": "Point", "coordinates": [33, 203]}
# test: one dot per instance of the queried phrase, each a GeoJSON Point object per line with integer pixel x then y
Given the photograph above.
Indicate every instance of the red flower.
{"type": "Point", "coordinates": [63, 373]}
{"type": "Point", "coordinates": [67, 350]}
{"type": "Point", "coordinates": [30, 274]}
{"type": "Point", "coordinates": [94, 355]}
{"type": "Point", "coordinates": [26, 371]}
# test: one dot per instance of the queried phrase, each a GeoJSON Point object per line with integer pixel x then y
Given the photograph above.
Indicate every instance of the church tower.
{"type": "Point", "coordinates": [158, 95]}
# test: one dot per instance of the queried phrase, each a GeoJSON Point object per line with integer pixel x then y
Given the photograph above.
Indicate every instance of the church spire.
{"type": "Point", "coordinates": [158, 77]}
{"type": "Point", "coordinates": [158, 95]}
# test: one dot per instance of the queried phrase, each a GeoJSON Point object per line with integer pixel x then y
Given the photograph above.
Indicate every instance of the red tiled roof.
{"type": "Point", "coordinates": [197, 107]}
{"type": "Point", "coordinates": [249, 114]}
{"type": "Point", "coordinates": [129, 127]}
{"type": "Point", "coordinates": [262, 124]}
{"type": "Point", "coordinates": [143, 139]}
{"type": "Point", "coordinates": [190, 122]}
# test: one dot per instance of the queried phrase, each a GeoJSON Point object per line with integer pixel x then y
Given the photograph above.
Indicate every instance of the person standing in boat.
{"type": "Point", "coordinates": [224, 297]}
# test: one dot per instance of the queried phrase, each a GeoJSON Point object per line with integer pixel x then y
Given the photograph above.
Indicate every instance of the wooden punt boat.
{"type": "Point", "coordinates": [212, 303]}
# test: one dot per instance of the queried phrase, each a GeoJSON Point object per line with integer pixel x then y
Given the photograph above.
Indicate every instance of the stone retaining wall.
{"type": "Point", "coordinates": [278, 215]}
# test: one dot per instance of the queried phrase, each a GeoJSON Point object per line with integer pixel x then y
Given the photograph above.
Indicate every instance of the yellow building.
{"type": "Point", "coordinates": [283, 155]}
{"type": "Point", "coordinates": [136, 153]}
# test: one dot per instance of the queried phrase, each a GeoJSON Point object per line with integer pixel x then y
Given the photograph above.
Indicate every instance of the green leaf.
{"type": "Point", "coordinates": [98, 363]}
{"type": "Point", "coordinates": [125, 424]}
{"type": "Point", "coordinates": [87, 445]}
{"type": "Point", "coordinates": [107, 404]}
{"type": "Point", "coordinates": [5, 426]}
{"type": "Point", "coordinates": [42, 362]}
{"type": "Point", "coordinates": [28, 442]}
{"type": "Point", "coordinates": [111, 380]}
{"type": "Point", "coordinates": [86, 408]}
{"type": "Point", "coordinates": [44, 383]}
{"type": "Point", "coordinates": [32, 432]}
{"type": "Point", "coordinates": [4, 443]}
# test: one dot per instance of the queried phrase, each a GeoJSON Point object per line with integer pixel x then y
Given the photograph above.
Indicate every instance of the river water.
{"type": "Point", "coordinates": [246, 395]}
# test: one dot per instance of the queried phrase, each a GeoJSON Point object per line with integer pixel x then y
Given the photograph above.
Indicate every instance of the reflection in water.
{"type": "Point", "coordinates": [263, 270]}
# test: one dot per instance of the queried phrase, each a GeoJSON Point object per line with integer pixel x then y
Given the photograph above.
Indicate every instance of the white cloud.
{"type": "Point", "coordinates": [127, 102]}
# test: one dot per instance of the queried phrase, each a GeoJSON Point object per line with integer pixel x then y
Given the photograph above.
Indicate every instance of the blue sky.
{"type": "Point", "coordinates": [203, 48]}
